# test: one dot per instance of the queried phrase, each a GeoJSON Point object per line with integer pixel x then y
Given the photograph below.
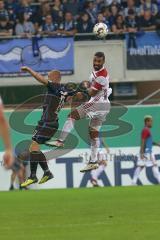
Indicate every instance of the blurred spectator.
{"type": "Point", "coordinates": [148, 5]}
{"type": "Point", "coordinates": [119, 26]}
{"type": "Point", "coordinates": [69, 26]}
{"type": "Point", "coordinates": [49, 27]}
{"type": "Point", "coordinates": [158, 5]}
{"type": "Point", "coordinates": [25, 7]}
{"type": "Point", "coordinates": [131, 5]}
{"type": "Point", "coordinates": [3, 11]}
{"type": "Point", "coordinates": [158, 23]}
{"type": "Point", "coordinates": [109, 2]}
{"type": "Point", "coordinates": [73, 7]}
{"type": "Point", "coordinates": [11, 6]}
{"type": "Point", "coordinates": [132, 22]}
{"type": "Point", "coordinates": [6, 29]}
{"type": "Point", "coordinates": [114, 11]}
{"type": "Point", "coordinates": [91, 10]}
{"type": "Point", "coordinates": [84, 24]}
{"type": "Point", "coordinates": [57, 11]}
{"type": "Point", "coordinates": [45, 9]}
{"type": "Point", "coordinates": [99, 4]}
{"type": "Point", "coordinates": [101, 18]}
{"type": "Point", "coordinates": [132, 26]}
{"type": "Point", "coordinates": [24, 28]}
{"type": "Point", "coordinates": [147, 21]}
{"type": "Point", "coordinates": [106, 12]}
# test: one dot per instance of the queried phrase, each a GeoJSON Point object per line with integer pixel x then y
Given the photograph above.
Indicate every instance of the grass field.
{"type": "Point", "coordinates": [121, 213]}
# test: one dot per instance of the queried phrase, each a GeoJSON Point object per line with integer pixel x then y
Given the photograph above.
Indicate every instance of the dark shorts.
{"type": "Point", "coordinates": [45, 131]}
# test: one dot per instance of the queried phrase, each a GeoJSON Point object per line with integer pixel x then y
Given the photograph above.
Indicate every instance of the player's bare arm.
{"type": "Point", "coordinates": [156, 144]}
{"type": "Point", "coordinates": [91, 91]}
{"type": "Point", "coordinates": [105, 145]}
{"type": "Point", "coordinates": [4, 133]}
{"type": "Point", "coordinates": [36, 75]}
{"type": "Point", "coordinates": [142, 148]}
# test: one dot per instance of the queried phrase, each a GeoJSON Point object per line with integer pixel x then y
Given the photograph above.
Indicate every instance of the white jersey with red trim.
{"type": "Point", "coordinates": [98, 106]}
{"type": "Point", "coordinates": [100, 81]}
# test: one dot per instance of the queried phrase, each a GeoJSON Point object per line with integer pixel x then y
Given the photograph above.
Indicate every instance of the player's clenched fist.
{"type": "Point", "coordinates": [8, 159]}
{"type": "Point", "coordinates": [25, 69]}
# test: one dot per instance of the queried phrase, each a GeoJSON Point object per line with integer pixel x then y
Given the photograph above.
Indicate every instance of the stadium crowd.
{"type": "Point", "coordinates": [67, 17]}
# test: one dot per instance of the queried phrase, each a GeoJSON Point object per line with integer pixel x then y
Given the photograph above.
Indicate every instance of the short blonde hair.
{"type": "Point", "coordinates": [54, 75]}
{"type": "Point", "coordinates": [147, 117]}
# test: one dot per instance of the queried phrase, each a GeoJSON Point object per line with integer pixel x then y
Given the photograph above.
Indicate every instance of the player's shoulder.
{"type": "Point", "coordinates": [102, 73]}
{"type": "Point", "coordinates": [146, 130]}
{"type": "Point", "coordinates": [54, 85]}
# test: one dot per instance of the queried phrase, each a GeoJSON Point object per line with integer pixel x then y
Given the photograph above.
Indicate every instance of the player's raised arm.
{"type": "Point", "coordinates": [36, 75]}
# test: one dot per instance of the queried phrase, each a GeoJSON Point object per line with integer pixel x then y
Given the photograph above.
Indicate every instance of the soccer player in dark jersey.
{"type": "Point", "coordinates": [55, 97]}
{"type": "Point", "coordinates": [146, 158]}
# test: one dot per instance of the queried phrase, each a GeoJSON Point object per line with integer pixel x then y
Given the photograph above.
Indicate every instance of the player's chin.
{"type": "Point", "coordinates": [96, 68]}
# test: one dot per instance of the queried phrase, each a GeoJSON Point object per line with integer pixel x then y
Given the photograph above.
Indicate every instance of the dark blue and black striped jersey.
{"type": "Point", "coordinates": [54, 100]}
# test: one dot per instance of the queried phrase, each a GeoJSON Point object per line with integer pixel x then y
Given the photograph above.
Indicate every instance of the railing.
{"type": "Point", "coordinates": [110, 35]}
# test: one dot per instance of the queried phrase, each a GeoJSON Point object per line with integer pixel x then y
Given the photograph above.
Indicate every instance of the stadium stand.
{"type": "Point", "coordinates": [25, 17]}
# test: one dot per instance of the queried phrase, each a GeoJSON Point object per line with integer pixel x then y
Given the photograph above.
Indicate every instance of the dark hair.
{"type": "Point", "coordinates": [83, 14]}
{"type": "Point", "coordinates": [21, 17]}
{"type": "Point", "coordinates": [100, 55]}
{"type": "Point", "coordinates": [119, 15]}
{"type": "Point", "coordinates": [131, 12]}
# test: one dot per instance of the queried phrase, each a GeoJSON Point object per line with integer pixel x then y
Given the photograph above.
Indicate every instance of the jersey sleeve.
{"type": "Point", "coordinates": [145, 133]}
{"type": "Point", "coordinates": [99, 83]}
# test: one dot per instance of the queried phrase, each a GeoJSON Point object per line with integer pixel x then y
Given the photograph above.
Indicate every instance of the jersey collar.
{"type": "Point", "coordinates": [98, 70]}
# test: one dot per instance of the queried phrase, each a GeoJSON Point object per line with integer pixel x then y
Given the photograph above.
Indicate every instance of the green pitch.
{"type": "Point", "coordinates": [118, 213]}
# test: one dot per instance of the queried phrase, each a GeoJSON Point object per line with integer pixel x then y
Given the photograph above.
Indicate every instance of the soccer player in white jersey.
{"type": "Point", "coordinates": [4, 133]}
{"type": "Point", "coordinates": [146, 158]}
{"type": "Point", "coordinates": [96, 109]}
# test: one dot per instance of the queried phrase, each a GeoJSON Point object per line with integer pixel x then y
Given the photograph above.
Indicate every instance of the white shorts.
{"type": "Point", "coordinates": [148, 161]}
{"type": "Point", "coordinates": [102, 156]}
{"type": "Point", "coordinates": [95, 111]}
